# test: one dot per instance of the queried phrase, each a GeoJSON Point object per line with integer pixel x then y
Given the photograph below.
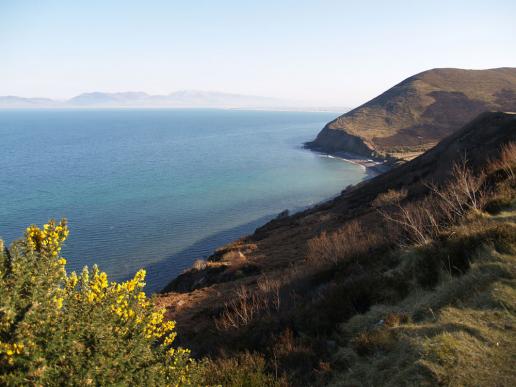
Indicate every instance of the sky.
{"type": "Point", "coordinates": [326, 52]}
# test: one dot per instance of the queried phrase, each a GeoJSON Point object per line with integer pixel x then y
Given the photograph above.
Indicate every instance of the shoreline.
{"type": "Point", "coordinates": [373, 166]}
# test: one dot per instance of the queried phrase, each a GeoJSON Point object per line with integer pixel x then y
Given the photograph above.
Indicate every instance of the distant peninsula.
{"type": "Point", "coordinates": [177, 99]}
{"type": "Point", "coordinates": [414, 115]}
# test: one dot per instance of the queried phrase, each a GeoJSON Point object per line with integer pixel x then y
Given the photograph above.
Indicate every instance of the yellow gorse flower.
{"type": "Point", "coordinates": [58, 301]}
{"type": "Point", "coordinates": [129, 303]}
{"type": "Point", "coordinates": [65, 301]}
{"type": "Point", "coordinates": [72, 280]}
{"type": "Point", "coordinates": [96, 287]}
{"type": "Point", "coordinates": [49, 239]}
{"type": "Point", "coordinates": [8, 351]}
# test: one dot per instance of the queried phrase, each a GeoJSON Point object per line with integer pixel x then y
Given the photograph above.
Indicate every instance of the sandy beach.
{"type": "Point", "coordinates": [373, 167]}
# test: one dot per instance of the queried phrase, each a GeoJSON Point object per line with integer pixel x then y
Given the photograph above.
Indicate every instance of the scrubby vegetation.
{"type": "Point", "coordinates": [58, 328]}
{"type": "Point", "coordinates": [442, 311]}
{"type": "Point", "coordinates": [245, 369]}
{"type": "Point", "coordinates": [418, 289]}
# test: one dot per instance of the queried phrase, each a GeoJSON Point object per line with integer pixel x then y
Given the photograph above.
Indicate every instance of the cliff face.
{"type": "Point", "coordinates": [414, 115]}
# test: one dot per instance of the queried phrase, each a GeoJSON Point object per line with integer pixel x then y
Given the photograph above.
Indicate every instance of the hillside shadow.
{"type": "Point", "coordinates": [159, 274]}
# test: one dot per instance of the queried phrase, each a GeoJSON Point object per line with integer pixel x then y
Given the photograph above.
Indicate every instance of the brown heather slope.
{"type": "Point", "coordinates": [415, 114]}
{"type": "Point", "coordinates": [317, 321]}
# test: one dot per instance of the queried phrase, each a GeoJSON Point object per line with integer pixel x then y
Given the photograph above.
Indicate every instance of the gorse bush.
{"type": "Point", "coordinates": [67, 329]}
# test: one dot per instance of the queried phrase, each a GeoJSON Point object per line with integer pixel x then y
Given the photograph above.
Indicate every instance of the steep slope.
{"type": "Point", "coordinates": [283, 240]}
{"type": "Point", "coordinates": [418, 112]}
{"type": "Point", "coordinates": [456, 332]}
{"type": "Point", "coordinates": [309, 290]}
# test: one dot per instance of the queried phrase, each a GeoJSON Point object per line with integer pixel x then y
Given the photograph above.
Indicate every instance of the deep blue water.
{"type": "Point", "coordinates": [158, 188]}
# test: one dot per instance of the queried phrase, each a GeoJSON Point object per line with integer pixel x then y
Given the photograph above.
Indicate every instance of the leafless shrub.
{"type": "Point", "coordinates": [422, 221]}
{"type": "Point", "coordinates": [240, 311]}
{"type": "Point", "coordinates": [417, 222]}
{"type": "Point", "coordinates": [463, 193]}
{"type": "Point", "coordinates": [271, 287]}
{"type": "Point", "coordinates": [247, 304]}
{"type": "Point", "coordinates": [348, 243]}
{"type": "Point", "coordinates": [391, 197]}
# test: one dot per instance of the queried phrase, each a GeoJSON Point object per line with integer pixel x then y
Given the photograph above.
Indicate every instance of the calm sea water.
{"type": "Point", "coordinates": [158, 188]}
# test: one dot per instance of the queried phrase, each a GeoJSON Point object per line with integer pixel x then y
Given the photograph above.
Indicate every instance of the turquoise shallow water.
{"type": "Point", "coordinates": [158, 188]}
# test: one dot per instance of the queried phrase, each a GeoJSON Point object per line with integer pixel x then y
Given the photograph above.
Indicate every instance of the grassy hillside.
{"type": "Point", "coordinates": [455, 325]}
{"type": "Point", "coordinates": [404, 279]}
{"type": "Point", "coordinates": [420, 111]}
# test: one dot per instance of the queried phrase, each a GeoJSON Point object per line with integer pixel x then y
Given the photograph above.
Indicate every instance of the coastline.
{"type": "Point", "coordinates": [372, 166]}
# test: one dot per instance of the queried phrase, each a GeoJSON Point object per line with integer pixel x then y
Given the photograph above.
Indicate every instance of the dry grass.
{"type": "Point", "coordinates": [271, 294]}
{"type": "Point", "coordinates": [506, 160]}
{"type": "Point", "coordinates": [396, 319]}
{"type": "Point", "coordinates": [502, 198]}
{"type": "Point", "coordinates": [234, 257]}
{"type": "Point", "coordinates": [271, 288]}
{"type": "Point", "coordinates": [295, 355]}
{"type": "Point", "coordinates": [457, 333]}
{"type": "Point", "coordinates": [348, 243]}
{"type": "Point", "coordinates": [369, 342]}
{"type": "Point", "coordinates": [389, 198]}
{"type": "Point", "coordinates": [247, 369]}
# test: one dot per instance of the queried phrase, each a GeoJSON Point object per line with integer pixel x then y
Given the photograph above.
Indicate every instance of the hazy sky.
{"type": "Point", "coordinates": [330, 52]}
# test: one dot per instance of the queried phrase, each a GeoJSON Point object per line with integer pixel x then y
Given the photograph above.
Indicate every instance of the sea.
{"type": "Point", "coordinates": [159, 188]}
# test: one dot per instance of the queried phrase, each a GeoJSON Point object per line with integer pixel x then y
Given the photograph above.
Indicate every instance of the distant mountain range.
{"type": "Point", "coordinates": [415, 114]}
{"type": "Point", "coordinates": [178, 99]}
